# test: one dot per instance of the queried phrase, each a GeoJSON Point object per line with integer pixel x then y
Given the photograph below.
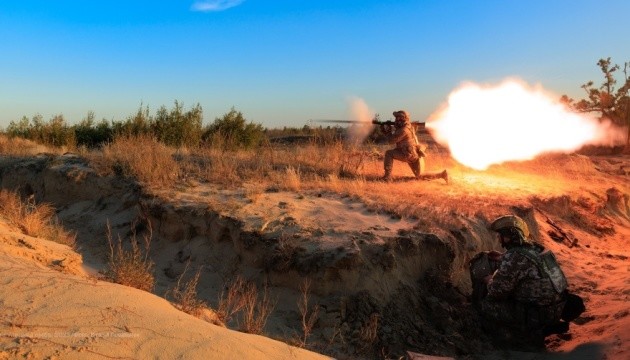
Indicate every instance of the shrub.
{"type": "Point", "coordinates": [256, 311]}
{"type": "Point", "coordinates": [308, 315]}
{"type": "Point", "coordinates": [53, 133]}
{"type": "Point", "coordinates": [92, 135]}
{"type": "Point", "coordinates": [33, 219]}
{"type": "Point", "coordinates": [231, 131]}
{"type": "Point", "coordinates": [185, 295]}
{"type": "Point", "coordinates": [177, 127]}
{"type": "Point", "coordinates": [142, 157]}
{"type": "Point", "coordinates": [130, 267]}
{"type": "Point", "coordinates": [242, 298]}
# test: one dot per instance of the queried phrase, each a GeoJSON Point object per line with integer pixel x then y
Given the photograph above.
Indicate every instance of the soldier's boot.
{"type": "Point", "coordinates": [387, 177]}
{"type": "Point", "coordinates": [415, 167]}
{"type": "Point", "coordinates": [442, 175]}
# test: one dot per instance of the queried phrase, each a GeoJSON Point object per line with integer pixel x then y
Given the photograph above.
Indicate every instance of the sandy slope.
{"type": "Point", "coordinates": [51, 309]}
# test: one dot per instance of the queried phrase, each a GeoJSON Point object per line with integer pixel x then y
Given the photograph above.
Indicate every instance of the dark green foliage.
{"type": "Point", "coordinates": [178, 127]}
{"type": "Point", "coordinates": [137, 124]}
{"type": "Point", "coordinates": [232, 131]}
{"type": "Point", "coordinates": [90, 134]}
{"type": "Point", "coordinates": [174, 127]}
{"type": "Point", "coordinates": [55, 132]}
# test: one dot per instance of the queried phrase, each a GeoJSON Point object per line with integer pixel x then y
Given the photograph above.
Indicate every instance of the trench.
{"type": "Point", "coordinates": [403, 278]}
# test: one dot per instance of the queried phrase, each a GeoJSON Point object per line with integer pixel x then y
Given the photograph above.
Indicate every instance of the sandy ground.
{"type": "Point", "coordinates": [52, 305]}
{"type": "Point", "coordinates": [51, 309]}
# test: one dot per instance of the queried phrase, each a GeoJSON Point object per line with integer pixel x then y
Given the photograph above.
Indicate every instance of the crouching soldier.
{"type": "Point", "coordinates": [521, 293]}
{"type": "Point", "coordinates": [407, 149]}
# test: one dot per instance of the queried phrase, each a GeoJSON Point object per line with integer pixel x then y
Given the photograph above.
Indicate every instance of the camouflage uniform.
{"type": "Point", "coordinates": [520, 294]}
{"type": "Point", "coordinates": [405, 150]}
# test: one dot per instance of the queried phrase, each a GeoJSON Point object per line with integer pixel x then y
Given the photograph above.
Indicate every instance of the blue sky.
{"type": "Point", "coordinates": [284, 62]}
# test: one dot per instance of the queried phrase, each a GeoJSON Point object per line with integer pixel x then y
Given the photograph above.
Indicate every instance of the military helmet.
{"type": "Point", "coordinates": [403, 115]}
{"type": "Point", "coordinates": [510, 221]}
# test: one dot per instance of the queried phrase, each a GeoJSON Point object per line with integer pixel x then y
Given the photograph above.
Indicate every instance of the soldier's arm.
{"type": "Point", "coordinates": [505, 279]}
{"type": "Point", "coordinates": [398, 135]}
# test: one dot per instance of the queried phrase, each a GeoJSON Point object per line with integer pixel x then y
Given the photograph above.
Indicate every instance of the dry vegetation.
{"type": "Point", "coordinates": [142, 157]}
{"type": "Point", "coordinates": [349, 171]}
{"type": "Point", "coordinates": [308, 314]}
{"type": "Point", "coordinates": [352, 171]}
{"type": "Point", "coordinates": [185, 295]}
{"type": "Point", "coordinates": [21, 147]}
{"type": "Point", "coordinates": [346, 170]}
{"type": "Point", "coordinates": [241, 303]}
{"type": "Point", "coordinates": [33, 219]}
{"type": "Point", "coordinates": [130, 266]}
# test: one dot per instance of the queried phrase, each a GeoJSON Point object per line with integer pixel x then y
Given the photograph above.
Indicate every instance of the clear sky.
{"type": "Point", "coordinates": [284, 62]}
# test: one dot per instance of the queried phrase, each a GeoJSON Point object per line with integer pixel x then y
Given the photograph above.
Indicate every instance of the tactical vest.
{"type": "Point", "coordinates": [547, 264]}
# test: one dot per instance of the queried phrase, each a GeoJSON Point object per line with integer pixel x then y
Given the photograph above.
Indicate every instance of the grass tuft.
{"type": "Point", "coordinates": [131, 266]}
{"type": "Point", "coordinates": [244, 304]}
{"type": "Point", "coordinates": [37, 220]}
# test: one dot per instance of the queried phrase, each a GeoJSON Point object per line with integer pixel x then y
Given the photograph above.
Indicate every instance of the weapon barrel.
{"type": "Point", "coordinates": [338, 121]}
{"type": "Point", "coordinates": [416, 124]}
{"type": "Point", "coordinates": [421, 126]}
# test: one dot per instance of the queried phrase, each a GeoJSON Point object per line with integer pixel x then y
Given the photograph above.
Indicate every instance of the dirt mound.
{"type": "Point", "coordinates": [384, 285]}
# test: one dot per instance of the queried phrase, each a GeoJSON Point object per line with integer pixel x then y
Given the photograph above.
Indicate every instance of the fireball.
{"type": "Point", "coordinates": [485, 125]}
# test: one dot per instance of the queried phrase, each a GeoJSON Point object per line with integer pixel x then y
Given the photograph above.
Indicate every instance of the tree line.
{"type": "Point", "coordinates": [179, 127]}
{"type": "Point", "coordinates": [176, 127]}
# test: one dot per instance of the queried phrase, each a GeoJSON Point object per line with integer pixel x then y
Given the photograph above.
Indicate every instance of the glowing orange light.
{"type": "Point", "coordinates": [485, 125]}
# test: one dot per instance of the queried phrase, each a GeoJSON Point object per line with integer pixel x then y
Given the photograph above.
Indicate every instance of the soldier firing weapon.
{"type": "Point", "coordinates": [401, 132]}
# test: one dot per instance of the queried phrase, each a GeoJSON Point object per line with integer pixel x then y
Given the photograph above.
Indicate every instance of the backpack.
{"type": "Point", "coordinates": [547, 264]}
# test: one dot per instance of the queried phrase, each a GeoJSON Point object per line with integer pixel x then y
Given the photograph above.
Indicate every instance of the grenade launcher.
{"type": "Point", "coordinates": [417, 125]}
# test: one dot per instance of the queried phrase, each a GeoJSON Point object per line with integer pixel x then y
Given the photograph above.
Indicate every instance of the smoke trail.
{"type": "Point", "coordinates": [359, 111]}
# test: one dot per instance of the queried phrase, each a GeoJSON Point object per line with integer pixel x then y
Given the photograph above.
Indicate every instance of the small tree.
{"type": "Point", "coordinates": [90, 134]}
{"type": "Point", "coordinates": [233, 131]}
{"type": "Point", "coordinates": [607, 100]}
{"type": "Point", "coordinates": [178, 127]}
{"type": "Point", "coordinates": [135, 125]}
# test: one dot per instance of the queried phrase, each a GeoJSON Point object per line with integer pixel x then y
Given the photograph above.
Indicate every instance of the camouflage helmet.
{"type": "Point", "coordinates": [510, 221]}
{"type": "Point", "coordinates": [403, 114]}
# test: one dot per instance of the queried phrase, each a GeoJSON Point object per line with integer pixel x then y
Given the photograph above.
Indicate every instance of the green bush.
{"type": "Point", "coordinates": [232, 131]}
{"type": "Point", "coordinates": [173, 127]}
{"type": "Point", "coordinates": [178, 127]}
{"type": "Point", "coordinates": [91, 135]}
{"type": "Point", "coordinates": [55, 132]}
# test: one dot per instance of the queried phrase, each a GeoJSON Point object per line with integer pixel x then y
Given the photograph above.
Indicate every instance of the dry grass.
{"type": "Point", "coordinates": [244, 304]}
{"type": "Point", "coordinates": [292, 179]}
{"type": "Point", "coordinates": [353, 171]}
{"type": "Point", "coordinates": [257, 309]}
{"type": "Point", "coordinates": [368, 333]}
{"type": "Point", "coordinates": [308, 314]}
{"type": "Point", "coordinates": [130, 267]}
{"type": "Point", "coordinates": [23, 147]}
{"type": "Point", "coordinates": [141, 157]}
{"type": "Point", "coordinates": [185, 295]}
{"type": "Point", "coordinates": [231, 300]}
{"type": "Point", "coordinates": [37, 220]}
